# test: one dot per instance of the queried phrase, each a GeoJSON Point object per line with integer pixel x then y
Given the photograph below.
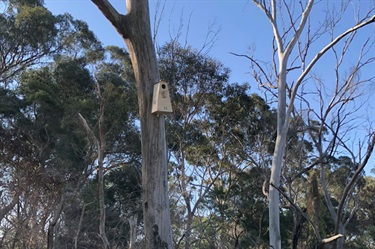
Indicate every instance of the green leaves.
{"type": "Point", "coordinates": [36, 27]}
{"type": "Point", "coordinates": [29, 32]}
{"type": "Point", "coordinates": [10, 105]}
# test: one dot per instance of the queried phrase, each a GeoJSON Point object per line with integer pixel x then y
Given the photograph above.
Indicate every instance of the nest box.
{"type": "Point", "coordinates": [161, 100]}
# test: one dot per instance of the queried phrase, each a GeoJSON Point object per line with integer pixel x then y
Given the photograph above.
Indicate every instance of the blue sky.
{"type": "Point", "coordinates": [234, 18]}
{"type": "Point", "coordinates": [241, 24]}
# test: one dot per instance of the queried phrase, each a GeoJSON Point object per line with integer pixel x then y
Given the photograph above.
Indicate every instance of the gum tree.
{"type": "Point", "coordinates": [293, 40]}
{"type": "Point", "coordinates": [134, 28]}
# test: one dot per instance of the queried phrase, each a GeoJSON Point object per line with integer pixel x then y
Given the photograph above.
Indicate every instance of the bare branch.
{"type": "Point", "coordinates": [320, 54]}
{"type": "Point", "coordinates": [269, 84]}
{"type": "Point", "coordinates": [300, 28]}
{"type": "Point", "coordinates": [119, 21]}
{"type": "Point", "coordinates": [354, 179]}
{"type": "Point", "coordinates": [271, 15]}
{"type": "Point", "coordinates": [88, 129]}
{"type": "Point", "coordinates": [331, 239]}
{"type": "Point", "coordinates": [159, 10]}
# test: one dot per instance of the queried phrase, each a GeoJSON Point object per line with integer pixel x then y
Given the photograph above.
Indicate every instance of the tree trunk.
{"type": "Point", "coordinates": [274, 195]}
{"type": "Point", "coordinates": [283, 49]}
{"type": "Point", "coordinates": [102, 216]}
{"type": "Point", "coordinates": [133, 231]}
{"type": "Point", "coordinates": [134, 27]}
{"type": "Point", "coordinates": [76, 236]}
{"type": "Point", "coordinates": [56, 216]}
{"type": "Point", "coordinates": [277, 160]}
{"type": "Point", "coordinates": [101, 146]}
{"type": "Point", "coordinates": [297, 227]}
{"type": "Point", "coordinates": [339, 243]}
{"type": "Point", "coordinates": [188, 224]}
{"type": "Point", "coordinates": [186, 196]}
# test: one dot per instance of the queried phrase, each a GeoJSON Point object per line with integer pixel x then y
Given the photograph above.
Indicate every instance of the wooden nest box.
{"type": "Point", "coordinates": [161, 100]}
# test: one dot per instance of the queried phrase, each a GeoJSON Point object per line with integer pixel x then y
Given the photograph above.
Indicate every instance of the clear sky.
{"type": "Point", "coordinates": [241, 25]}
{"type": "Point", "coordinates": [234, 18]}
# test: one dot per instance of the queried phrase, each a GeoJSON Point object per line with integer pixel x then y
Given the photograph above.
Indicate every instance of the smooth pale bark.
{"type": "Point", "coordinates": [134, 27]}
{"type": "Point", "coordinates": [284, 49]}
{"type": "Point", "coordinates": [283, 115]}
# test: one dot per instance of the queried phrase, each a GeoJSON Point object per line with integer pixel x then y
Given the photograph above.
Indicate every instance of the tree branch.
{"type": "Point", "coordinates": [271, 15]}
{"type": "Point", "coordinates": [354, 179]}
{"type": "Point", "coordinates": [322, 241]}
{"type": "Point", "coordinates": [119, 21]}
{"type": "Point", "coordinates": [258, 66]}
{"type": "Point", "coordinates": [299, 210]}
{"type": "Point", "coordinates": [331, 239]}
{"type": "Point", "coordinates": [89, 130]}
{"type": "Point", "coordinates": [300, 28]}
{"type": "Point", "coordinates": [320, 54]}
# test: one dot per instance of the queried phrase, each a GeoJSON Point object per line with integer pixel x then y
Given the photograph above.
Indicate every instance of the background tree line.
{"type": "Point", "coordinates": [70, 147]}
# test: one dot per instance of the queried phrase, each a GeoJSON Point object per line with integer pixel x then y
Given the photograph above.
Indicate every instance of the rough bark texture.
{"type": "Point", "coordinates": [134, 27]}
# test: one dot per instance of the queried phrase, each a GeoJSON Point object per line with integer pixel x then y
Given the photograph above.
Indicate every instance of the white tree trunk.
{"type": "Point", "coordinates": [277, 160]}
{"type": "Point", "coordinates": [283, 50]}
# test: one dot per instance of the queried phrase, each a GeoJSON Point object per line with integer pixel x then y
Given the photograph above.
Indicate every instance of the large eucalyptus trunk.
{"type": "Point", "coordinates": [134, 27]}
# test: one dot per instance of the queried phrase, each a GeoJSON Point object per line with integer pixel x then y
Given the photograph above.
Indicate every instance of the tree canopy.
{"type": "Point", "coordinates": [71, 144]}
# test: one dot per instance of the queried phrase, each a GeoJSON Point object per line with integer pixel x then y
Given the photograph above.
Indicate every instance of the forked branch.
{"type": "Point", "coordinates": [119, 21]}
